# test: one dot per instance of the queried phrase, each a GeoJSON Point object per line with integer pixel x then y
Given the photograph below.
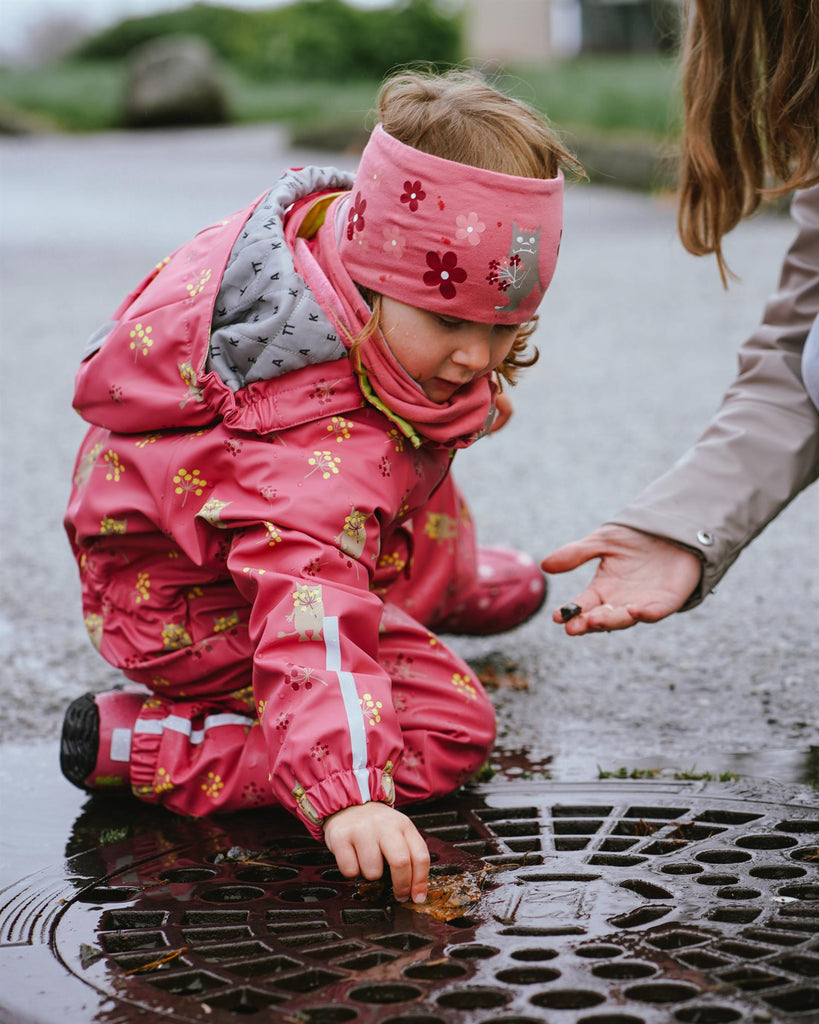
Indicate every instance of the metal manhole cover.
{"type": "Point", "coordinates": [622, 903]}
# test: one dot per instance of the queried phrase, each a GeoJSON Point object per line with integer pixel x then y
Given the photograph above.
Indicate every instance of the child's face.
{"type": "Point", "coordinates": [442, 353]}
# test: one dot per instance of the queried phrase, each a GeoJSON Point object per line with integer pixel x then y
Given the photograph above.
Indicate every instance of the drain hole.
{"type": "Point", "coordinates": [243, 1001]}
{"type": "Point", "coordinates": [807, 966]}
{"type": "Point", "coordinates": [617, 860]}
{"type": "Point", "coordinates": [616, 844]}
{"type": "Point", "coordinates": [599, 951]}
{"type": "Point", "coordinates": [127, 942]}
{"type": "Point", "coordinates": [519, 929]}
{"type": "Point", "coordinates": [308, 894]}
{"type": "Point", "coordinates": [765, 842]}
{"type": "Point", "coordinates": [414, 1018]}
{"type": "Point", "coordinates": [265, 968]}
{"type": "Point", "coordinates": [640, 916]}
{"type": "Point", "coordinates": [796, 1001]}
{"type": "Point", "coordinates": [660, 813]}
{"type": "Point", "coordinates": [118, 919]}
{"type": "Point", "coordinates": [435, 971]}
{"type": "Point", "coordinates": [473, 951]}
{"type": "Point", "coordinates": [707, 1015]}
{"type": "Point", "coordinates": [188, 984]}
{"type": "Point", "coordinates": [717, 880]}
{"type": "Point", "coordinates": [798, 826]}
{"type": "Point", "coordinates": [806, 853]}
{"type": "Point", "coordinates": [664, 846]}
{"type": "Point", "coordinates": [187, 875]}
{"type": "Point", "coordinates": [738, 892]}
{"type": "Point", "coordinates": [681, 869]}
{"type": "Point", "coordinates": [570, 844]}
{"type": "Point", "coordinates": [231, 894]}
{"type": "Point", "coordinates": [728, 817]}
{"type": "Point", "coordinates": [308, 981]}
{"type": "Point", "coordinates": [108, 894]}
{"type": "Point", "coordinates": [464, 922]}
{"type": "Point", "coordinates": [203, 917]}
{"type": "Point", "coordinates": [196, 936]}
{"type": "Point", "coordinates": [568, 999]}
{"type": "Point", "coordinates": [777, 872]}
{"type": "Point", "coordinates": [646, 889]}
{"type": "Point", "coordinates": [624, 970]}
{"type": "Point", "coordinates": [743, 950]}
{"type": "Point", "coordinates": [312, 858]}
{"type": "Point", "coordinates": [801, 892]}
{"type": "Point", "coordinates": [678, 939]}
{"type": "Point", "coordinates": [661, 992]}
{"type": "Point", "coordinates": [367, 960]}
{"type": "Point", "coordinates": [752, 979]}
{"type": "Point", "coordinates": [385, 993]}
{"type": "Point", "coordinates": [723, 857]}
{"type": "Point", "coordinates": [692, 832]}
{"type": "Point", "coordinates": [576, 828]}
{"type": "Point", "coordinates": [610, 1018]}
{"type": "Point", "coordinates": [365, 917]}
{"type": "Point", "coordinates": [734, 915]}
{"type": "Point", "coordinates": [702, 961]}
{"type": "Point", "coordinates": [527, 975]}
{"type": "Point", "coordinates": [474, 998]}
{"type": "Point", "coordinates": [329, 1015]}
{"type": "Point", "coordinates": [234, 950]}
{"type": "Point", "coordinates": [534, 954]}
{"type": "Point", "coordinates": [263, 873]}
{"type": "Point", "coordinates": [331, 952]}
{"type": "Point", "coordinates": [404, 941]}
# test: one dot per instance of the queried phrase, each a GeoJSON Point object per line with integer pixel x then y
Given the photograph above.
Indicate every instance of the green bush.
{"type": "Point", "coordinates": [309, 39]}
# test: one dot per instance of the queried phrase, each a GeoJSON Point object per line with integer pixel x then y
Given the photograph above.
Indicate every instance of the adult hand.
{"type": "Point", "coordinates": [640, 578]}
{"type": "Point", "coordinates": [363, 836]}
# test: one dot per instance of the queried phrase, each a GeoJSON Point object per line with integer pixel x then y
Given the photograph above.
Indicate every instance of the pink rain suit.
{"type": "Point", "coordinates": [264, 549]}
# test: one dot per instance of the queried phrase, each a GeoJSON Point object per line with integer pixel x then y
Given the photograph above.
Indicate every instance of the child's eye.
{"type": "Point", "coordinates": [448, 322]}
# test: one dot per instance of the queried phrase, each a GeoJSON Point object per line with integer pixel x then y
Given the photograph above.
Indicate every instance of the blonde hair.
{"type": "Point", "coordinates": [751, 102]}
{"type": "Point", "coordinates": [460, 116]}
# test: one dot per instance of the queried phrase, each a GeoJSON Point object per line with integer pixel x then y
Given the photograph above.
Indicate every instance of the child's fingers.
{"type": "Point", "coordinates": [420, 866]}
{"type": "Point", "coordinates": [408, 858]}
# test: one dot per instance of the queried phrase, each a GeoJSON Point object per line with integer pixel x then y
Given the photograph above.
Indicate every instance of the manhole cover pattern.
{"type": "Point", "coordinates": [617, 909]}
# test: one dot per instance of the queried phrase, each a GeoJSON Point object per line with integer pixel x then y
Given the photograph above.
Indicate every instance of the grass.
{"type": "Point", "coordinates": [631, 95]}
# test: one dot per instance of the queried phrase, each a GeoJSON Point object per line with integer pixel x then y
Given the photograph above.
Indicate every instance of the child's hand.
{"type": "Point", "coordinates": [503, 410]}
{"type": "Point", "coordinates": [361, 835]}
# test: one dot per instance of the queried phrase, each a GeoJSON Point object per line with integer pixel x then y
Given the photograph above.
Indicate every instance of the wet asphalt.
{"type": "Point", "coordinates": [638, 341]}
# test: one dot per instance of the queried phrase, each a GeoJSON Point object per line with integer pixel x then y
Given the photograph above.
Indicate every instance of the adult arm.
{"type": "Point", "coordinates": [670, 547]}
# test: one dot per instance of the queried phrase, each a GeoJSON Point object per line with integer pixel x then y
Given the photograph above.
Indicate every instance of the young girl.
{"type": "Point", "coordinates": [262, 514]}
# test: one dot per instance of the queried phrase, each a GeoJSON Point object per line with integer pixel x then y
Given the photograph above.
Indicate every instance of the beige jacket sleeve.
{"type": "Point", "coordinates": [762, 446]}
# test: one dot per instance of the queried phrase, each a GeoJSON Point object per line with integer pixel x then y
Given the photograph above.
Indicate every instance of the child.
{"type": "Point", "coordinates": [262, 514]}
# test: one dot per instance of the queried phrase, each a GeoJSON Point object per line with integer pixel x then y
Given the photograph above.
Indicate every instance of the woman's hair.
{"type": "Point", "coordinates": [459, 116]}
{"type": "Point", "coordinates": [751, 102]}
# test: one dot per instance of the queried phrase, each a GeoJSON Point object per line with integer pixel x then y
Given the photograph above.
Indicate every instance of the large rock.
{"type": "Point", "coordinates": [174, 81]}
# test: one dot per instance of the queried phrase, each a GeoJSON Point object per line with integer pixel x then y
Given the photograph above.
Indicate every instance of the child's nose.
{"type": "Point", "coordinates": [473, 350]}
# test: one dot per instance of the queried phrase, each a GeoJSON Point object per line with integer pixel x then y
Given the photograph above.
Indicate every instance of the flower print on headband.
{"type": "Point", "coordinates": [469, 228]}
{"type": "Point", "coordinates": [355, 218]}
{"type": "Point", "coordinates": [444, 273]}
{"type": "Point", "coordinates": [413, 194]}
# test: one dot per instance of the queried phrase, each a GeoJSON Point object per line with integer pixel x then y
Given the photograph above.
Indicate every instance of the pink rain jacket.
{"type": "Point", "coordinates": [234, 531]}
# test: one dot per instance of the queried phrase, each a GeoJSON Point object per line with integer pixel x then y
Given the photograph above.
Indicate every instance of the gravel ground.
{"type": "Point", "coordinates": [638, 341]}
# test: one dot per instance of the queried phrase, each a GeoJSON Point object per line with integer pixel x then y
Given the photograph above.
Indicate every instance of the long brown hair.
{"type": "Point", "coordinates": [751, 102]}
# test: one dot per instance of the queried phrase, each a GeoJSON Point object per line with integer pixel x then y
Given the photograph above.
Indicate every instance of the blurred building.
{"type": "Point", "coordinates": [527, 31]}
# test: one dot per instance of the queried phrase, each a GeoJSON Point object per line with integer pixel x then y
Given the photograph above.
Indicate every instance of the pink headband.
{"type": "Point", "coordinates": [450, 238]}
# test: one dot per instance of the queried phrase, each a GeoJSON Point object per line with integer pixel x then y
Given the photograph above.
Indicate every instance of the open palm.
{"type": "Point", "coordinates": [640, 578]}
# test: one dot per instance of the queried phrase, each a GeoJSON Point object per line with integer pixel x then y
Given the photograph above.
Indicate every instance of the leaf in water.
{"type": "Point", "coordinates": [450, 896]}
